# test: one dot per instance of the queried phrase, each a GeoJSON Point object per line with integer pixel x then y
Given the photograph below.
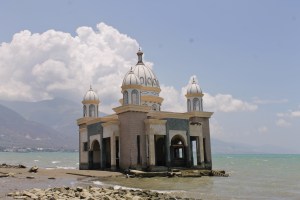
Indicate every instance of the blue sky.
{"type": "Point", "coordinates": [247, 49]}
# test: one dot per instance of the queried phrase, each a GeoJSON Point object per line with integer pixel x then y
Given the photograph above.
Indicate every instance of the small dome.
{"type": "Point", "coordinates": [91, 95]}
{"type": "Point", "coordinates": [144, 73]}
{"type": "Point", "coordinates": [194, 88]}
{"type": "Point", "coordinates": [131, 79]}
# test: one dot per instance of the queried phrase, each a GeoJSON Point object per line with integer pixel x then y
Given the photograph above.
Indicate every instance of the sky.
{"type": "Point", "coordinates": [244, 55]}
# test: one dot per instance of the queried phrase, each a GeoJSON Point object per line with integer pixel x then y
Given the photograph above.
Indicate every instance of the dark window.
{"type": "Point", "coordinates": [139, 149]}
{"type": "Point", "coordinates": [85, 146]}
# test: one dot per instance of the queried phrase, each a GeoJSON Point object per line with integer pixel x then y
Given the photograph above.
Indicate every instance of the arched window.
{"type": "Point", "coordinates": [142, 80]}
{"type": "Point", "coordinates": [92, 110]}
{"type": "Point", "coordinates": [84, 111]}
{"type": "Point", "coordinates": [154, 107]}
{"type": "Point", "coordinates": [135, 97]}
{"type": "Point", "coordinates": [196, 104]}
{"type": "Point", "coordinates": [125, 98]}
{"type": "Point", "coordinates": [189, 105]}
{"type": "Point", "coordinates": [178, 147]}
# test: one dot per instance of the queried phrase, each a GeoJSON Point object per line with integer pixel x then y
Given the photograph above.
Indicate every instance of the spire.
{"type": "Point", "coordinates": [91, 87]}
{"type": "Point", "coordinates": [140, 56]}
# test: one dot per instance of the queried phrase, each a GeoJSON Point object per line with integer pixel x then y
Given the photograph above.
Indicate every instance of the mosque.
{"type": "Point", "coordinates": [139, 135]}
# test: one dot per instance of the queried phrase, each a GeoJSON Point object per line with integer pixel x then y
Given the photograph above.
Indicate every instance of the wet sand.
{"type": "Point", "coordinates": [20, 179]}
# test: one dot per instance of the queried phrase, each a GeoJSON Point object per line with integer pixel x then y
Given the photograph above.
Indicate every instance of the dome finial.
{"type": "Point", "coordinates": [140, 56]}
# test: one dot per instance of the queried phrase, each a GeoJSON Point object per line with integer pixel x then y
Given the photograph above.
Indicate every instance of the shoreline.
{"type": "Point", "coordinates": [15, 181]}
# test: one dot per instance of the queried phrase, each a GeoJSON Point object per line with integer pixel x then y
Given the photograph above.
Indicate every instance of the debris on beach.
{"type": "Point", "coordinates": [90, 193]}
{"type": "Point", "coordinates": [4, 165]}
{"type": "Point", "coordinates": [176, 173]}
{"type": "Point", "coordinates": [33, 169]}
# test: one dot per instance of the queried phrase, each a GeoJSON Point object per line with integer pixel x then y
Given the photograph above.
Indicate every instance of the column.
{"type": "Point", "coordinates": [151, 150]}
{"type": "Point", "coordinates": [113, 151]}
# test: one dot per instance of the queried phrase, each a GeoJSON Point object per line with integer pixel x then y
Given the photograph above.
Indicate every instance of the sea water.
{"type": "Point", "coordinates": [251, 176]}
{"type": "Point", "coordinates": [64, 160]}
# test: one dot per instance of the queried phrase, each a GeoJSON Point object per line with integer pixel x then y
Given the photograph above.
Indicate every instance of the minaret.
{"type": "Point", "coordinates": [194, 97]}
{"type": "Point", "coordinates": [131, 89]}
{"type": "Point", "coordinates": [140, 56]}
{"type": "Point", "coordinates": [90, 104]}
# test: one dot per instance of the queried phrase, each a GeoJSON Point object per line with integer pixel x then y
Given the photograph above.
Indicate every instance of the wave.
{"type": "Point", "coordinates": [55, 162]}
{"type": "Point", "coordinates": [59, 167]}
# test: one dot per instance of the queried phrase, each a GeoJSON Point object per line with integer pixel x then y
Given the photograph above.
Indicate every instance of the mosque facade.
{"type": "Point", "coordinates": [139, 135]}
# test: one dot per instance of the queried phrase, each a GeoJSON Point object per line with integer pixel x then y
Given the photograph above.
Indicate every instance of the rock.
{"type": "Point", "coordinates": [33, 169]}
{"type": "Point", "coordinates": [20, 197]}
{"type": "Point", "coordinates": [3, 175]}
{"type": "Point", "coordinates": [10, 194]}
{"type": "Point", "coordinates": [10, 174]}
{"type": "Point", "coordinates": [30, 177]}
{"type": "Point", "coordinates": [51, 178]}
{"type": "Point", "coordinates": [79, 189]}
{"type": "Point", "coordinates": [22, 166]}
{"type": "Point", "coordinates": [136, 198]}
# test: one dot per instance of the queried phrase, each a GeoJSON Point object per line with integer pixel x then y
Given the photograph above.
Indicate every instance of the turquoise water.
{"type": "Point", "coordinates": [251, 176]}
{"type": "Point", "coordinates": [67, 160]}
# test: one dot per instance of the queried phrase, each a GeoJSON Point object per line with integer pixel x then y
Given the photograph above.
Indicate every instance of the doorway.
{"type": "Point", "coordinates": [160, 150]}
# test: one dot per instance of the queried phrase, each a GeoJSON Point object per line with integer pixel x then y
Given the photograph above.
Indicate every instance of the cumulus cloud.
{"type": "Point", "coordinates": [263, 129]}
{"type": "Point", "coordinates": [283, 123]}
{"type": "Point", "coordinates": [38, 66]}
{"type": "Point", "coordinates": [226, 103]}
{"type": "Point", "coordinates": [285, 118]}
{"type": "Point", "coordinates": [257, 100]}
{"type": "Point", "coordinates": [176, 100]}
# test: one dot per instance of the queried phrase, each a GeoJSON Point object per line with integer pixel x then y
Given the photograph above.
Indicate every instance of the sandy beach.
{"type": "Point", "coordinates": [20, 179]}
{"type": "Point", "coordinates": [19, 183]}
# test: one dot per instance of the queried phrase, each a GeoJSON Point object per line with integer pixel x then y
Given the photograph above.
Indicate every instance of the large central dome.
{"type": "Point", "coordinates": [144, 73]}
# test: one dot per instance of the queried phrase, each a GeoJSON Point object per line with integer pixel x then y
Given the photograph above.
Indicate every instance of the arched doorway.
{"type": "Point", "coordinates": [178, 151]}
{"type": "Point", "coordinates": [95, 155]}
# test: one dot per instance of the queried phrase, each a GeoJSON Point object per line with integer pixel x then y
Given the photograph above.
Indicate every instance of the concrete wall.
{"type": "Point", "coordinates": [131, 125]}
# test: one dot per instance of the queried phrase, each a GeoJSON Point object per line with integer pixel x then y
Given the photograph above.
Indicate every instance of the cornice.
{"type": "Point", "coordinates": [125, 87]}
{"type": "Point", "coordinates": [194, 95]}
{"type": "Point", "coordinates": [155, 121]}
{"type": "Point", "coordinates": [155, 99]}
{"type": "Point", "coordinates": [90, 102]}
{"type": "Point", "coordinates": [132, 108]}
{"type": "Point", "coordinates": [154, 89]}
{"type": "Point", "coordinates": [187, 115]}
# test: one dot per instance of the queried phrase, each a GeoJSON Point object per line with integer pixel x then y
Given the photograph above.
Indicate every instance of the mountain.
{"type": "Point", "coordinates": [18, 132]}
{"type": "Point", "coordinates": [58, 114]}
{"type": "Point", "coordinates": [221, 147]}
{"type": "Point", "coordinates": [52, 123]}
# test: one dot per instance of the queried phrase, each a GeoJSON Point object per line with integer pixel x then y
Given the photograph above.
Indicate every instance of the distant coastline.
{"type": "Point", "coordinates": [28, 150]}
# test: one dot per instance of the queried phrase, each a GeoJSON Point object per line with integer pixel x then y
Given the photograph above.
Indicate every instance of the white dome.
{"type": "Point", "coordinates": [91, 96]}
{"type": "Point", "coordinates": [131, 79]}
{"type": "Point", "coordinates": [144, 73]}
{"type": "Point", "coordinates": [194, 88]}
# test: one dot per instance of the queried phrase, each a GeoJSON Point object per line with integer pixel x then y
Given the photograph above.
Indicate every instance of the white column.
{"type": "Point", "coordinates": [151, 150]}
{"type": "Point", "coordinates": [113, 151]}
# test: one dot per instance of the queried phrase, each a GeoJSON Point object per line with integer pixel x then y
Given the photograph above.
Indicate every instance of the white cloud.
{"type": "Point", "coordinates": [37, 66]}
{"type": "Point", "coordinates": [175, 100]}
{"type": "Point", "coordinates": [286, 118]}
{"type": "Point", "coordinates": [263, 129]}
{"type": "Point", "coordinates": [295, 113]}
{"type": "Point", "coordinates": [226, 103]}
{"type": "Point", "coordinates": [256, 100]}
{"type": "Point", "coordinates": [283, 123]}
